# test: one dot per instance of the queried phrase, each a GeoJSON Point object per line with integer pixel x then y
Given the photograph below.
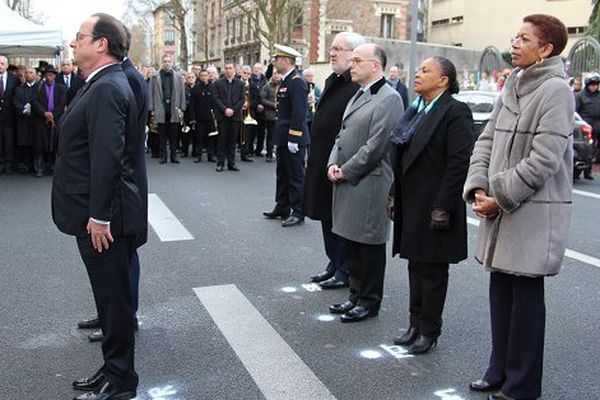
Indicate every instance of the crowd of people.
{"type": "Point", "coordinates": [355, 156]}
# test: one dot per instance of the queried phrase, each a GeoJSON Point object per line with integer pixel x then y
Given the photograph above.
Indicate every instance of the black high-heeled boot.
{"type": "Point", "coordinates": [407, 337]}
{"type": "Point", "coordinates": [422, 344]}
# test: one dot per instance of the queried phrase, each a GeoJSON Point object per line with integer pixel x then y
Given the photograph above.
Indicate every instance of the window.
{"type": "Point", "coordinates": [387, 26]}
{"type": "Point", "coordinates": [576, 30]}
{"type": "Point", "coordinates": [233, 29]}
{"type": "Point", "coordinates": [439, 22]}
{"type": "Point", "coordinates": [169, 38]}
{"type": "Point", "coordinates": [457, 20]}
{"type": "Point", "coordinates": [248, 27]}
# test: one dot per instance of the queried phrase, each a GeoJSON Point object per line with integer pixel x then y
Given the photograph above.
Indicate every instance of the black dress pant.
{"type": "Point", "coordinates": [270, 128]}
{"type": "Point", "coordinates": [518, 319]}
{"type": "Point", "coordinates": [226, 141]}
{"type": "Point", "coordinates": [203, 128]}
{"type": "Point", "coordinates": [260, 137]}
{"type": "Point", "coordinates": [109, 276]}
{"type": "Point", "coordinates": [7, 145]}
{"type": "Point", "coordinates": [168, 132]}
{"type": "Point", "coordinates": [249, 133]}
{"type": "Point", "coordinates": [290, 179]}
{"type": "Point", "coordinates": [428, 283]}
{"type": "Point", "coordinates": [366, 263]}
{"type": "Point", "coordinates": [335, 249]}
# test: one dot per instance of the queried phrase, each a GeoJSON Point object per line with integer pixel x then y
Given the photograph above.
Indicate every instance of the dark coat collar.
{"type": "Point", "coordinates": [424, 132]}
{"type": "Point", "coordinates": [377, 85]}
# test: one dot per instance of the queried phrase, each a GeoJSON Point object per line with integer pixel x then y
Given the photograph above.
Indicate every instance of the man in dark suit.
{"type": "Point", "coordinates": [202, 109]}
{"type": "Point", "coordinates": [327, 121]}
{"type": "Point", "coordinates": [69, 79]}
{"type": "Point", "coordinates": [26, 121]}
{"type": "Point", "coordinates": [292, 138]}
{"type": "Point", "coordinates": [229, 100]}
{"type": "Point", "coordinates": [8, 119]}
{"type": "Point", "coordinates": [97, 196]}
{"type": "Point", "coordinates": [140, 91]}
{"type": "Point", "coordinates": [48, 106]}
{"type": "Point", "coordinates": [395, 82]}
{"type": "Point", "coordinates": [257, 132]}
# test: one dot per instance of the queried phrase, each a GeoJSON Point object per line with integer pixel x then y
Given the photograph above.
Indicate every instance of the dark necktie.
{"type": "Point", "coordinates": [357, 96]}
{"type": "Point", "coordinates": [1, 86]}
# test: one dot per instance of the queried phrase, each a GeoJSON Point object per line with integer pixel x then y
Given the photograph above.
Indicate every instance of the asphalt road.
{"type": "Point", "coordinates": [182, 353]}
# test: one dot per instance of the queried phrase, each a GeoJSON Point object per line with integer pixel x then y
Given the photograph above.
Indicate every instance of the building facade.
{"type": "Point", "coordinates": [165, 39]}
{"type": "Point", "coordinates": [206, 33]}
{"type": "Point", "coordinates": [477, 24]}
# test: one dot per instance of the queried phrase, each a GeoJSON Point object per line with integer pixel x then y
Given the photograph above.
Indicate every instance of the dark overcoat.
{"type": "Point", "coordinates": [326, 125]}
{"type": "Point", "coordinates": [43, 135]}
{"type": "Point", "coordinates": [431, 173]}
{"type": "Point", "coordinates": [26, 124]}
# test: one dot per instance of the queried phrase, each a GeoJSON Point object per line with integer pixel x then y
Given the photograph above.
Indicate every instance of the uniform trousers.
{"type": "Point", "coordinates": [428, 284]}
{"type": "Point", "coordinates": [203, 128]}
{"type": "Point", "coordinates": [366, 263]}
{"type": "Point", "coordinates": [226, 141]}
{"type": "Point", "coordinates": [518, 320]}
{"type": "Point", "coordinates": [109, 276]}
{"type": "Point", "coordinates": [290, 179]}
{"type": "Point", "coordinates": [335, 249]}
{"type": "Point", "coordinates": [270, 129]}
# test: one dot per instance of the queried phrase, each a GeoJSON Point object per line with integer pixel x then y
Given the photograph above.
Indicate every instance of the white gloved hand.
{"type": "Point", "coordinates": [293, 147]}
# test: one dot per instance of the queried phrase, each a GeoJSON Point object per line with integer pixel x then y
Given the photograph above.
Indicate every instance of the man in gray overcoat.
{"type": "Point", "coordinates": [360, 169]}
{"type": "Point", "coordinates": [166, 103]}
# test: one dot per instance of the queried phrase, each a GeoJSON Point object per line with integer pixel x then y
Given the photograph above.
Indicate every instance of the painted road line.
{"type": "Point", "coordinates": [260, 348]}
{"type": "Point", "coordinates": [575, 255]}
{"type": "Point", "coordinates": [587, 194]}
{"type": "Point", "coordinates": [163, 221]}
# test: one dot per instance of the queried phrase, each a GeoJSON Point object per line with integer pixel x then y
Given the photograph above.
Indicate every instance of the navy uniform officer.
{"type": "Point", "coordinates": [292, 138]}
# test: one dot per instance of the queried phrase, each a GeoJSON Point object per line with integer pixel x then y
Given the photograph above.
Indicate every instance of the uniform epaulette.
{"type": "Point", "coordinates": [297, 77]}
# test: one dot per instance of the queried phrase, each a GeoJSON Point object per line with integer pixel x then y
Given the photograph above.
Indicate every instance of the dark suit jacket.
{"type": "Point", "coordinates": [326, 125]}
{"type": "Point", "coordinates": [236, 102]}
{"type": "Point", "coordinates": [430, 173]}
{"type": "Point", "coordinates": [26, 124]}
{"type": "Point", "coordinates": [97, 168]}
{"type": "Point", "coordinates": [139, 87]}
{"type": "Point", "coordinates": [8, 114]}
{"type": "Point", "coordinates": [40, 101]}
{"type": "Point", "coordinates": [292, 102]}
{"type": "Point", "coordinates": [76, 83]}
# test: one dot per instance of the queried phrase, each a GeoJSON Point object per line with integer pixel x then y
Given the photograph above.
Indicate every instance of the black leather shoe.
{"type": "Point", "coordinates": [407, 337]}
{"type": "Point", "coordinates": [220, 168]}
{"type": "Point", "coordinates": [269, 159]}
{"type": "Point", "coordinates": [162, 161]}
{"type": "Point", "coordinates": [212, 159]}
{"type": "Point", "coordinates": [233, 168]}
{"type": "Point", "coordinates": [95, 336]}
{"type": "Point", "coordinates": [358, 313]}
{"type": "Point", "coordinates": [481, 385]}
{"type": "Point", "coordinates": [499, 396]}
{"type": "Point", "coordinates": [89, 383]}
{"type": "Point", "coordinates": [588, 177]}
{"type": "Point", "coordinates": [422, 344]}
{"type": "Point", "coordinates": [276, 213]}
{"type": "Point", "coordinates": [246, 159]}
{"type": "Point", "coordinates": [341, 308]}
{"type": "Point", "coordinates": [292, 220]}
{"type": "Point", "coordinates": [333, 284]}
{"type": "Point", "coordinates": [321, 276]}
{"type": "Point", "coordinates": [198, 160]}
{"type": "Point", "coordinates": [175, 161]}
{"type": "Point", "coordinates": [107, 392]}
{"type": "Point", "coordinates": [92, 323]}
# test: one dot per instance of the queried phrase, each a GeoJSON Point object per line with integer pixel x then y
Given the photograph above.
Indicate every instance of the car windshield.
{"type": "Point", "coordinates": [478, 103]}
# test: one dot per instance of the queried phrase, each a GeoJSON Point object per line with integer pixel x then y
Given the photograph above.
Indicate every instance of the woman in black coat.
{"type": "Point", "coordinates": [433, 139]}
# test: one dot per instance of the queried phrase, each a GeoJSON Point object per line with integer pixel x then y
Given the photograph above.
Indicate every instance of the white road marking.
{"type": "Point", "coordinates": [163, 221]}
{"type": "Point", "coordinates": [575, 255]}
{"type": "Point", "coordinates": [260, 348]}
{"type": "Point", "coordinates": [587, 194]}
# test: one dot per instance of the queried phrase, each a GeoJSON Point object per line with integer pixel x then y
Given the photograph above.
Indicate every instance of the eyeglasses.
{"type": "Point", "coordinates": [516, 39]}
{"type": "Point", "coordinates": [358, 60]}
{"type": "Point", "coordinates": [336, 49]}
{"type": "Point", "coordinates": [79, 36]}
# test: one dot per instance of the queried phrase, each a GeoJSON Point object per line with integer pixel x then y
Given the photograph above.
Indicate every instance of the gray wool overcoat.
{"type": "Point", "coordinates": [155, 98]}
{"type": "Point", "coordinates": [362, 151]}
{"type": "Point", "coordinates": [524, 159]}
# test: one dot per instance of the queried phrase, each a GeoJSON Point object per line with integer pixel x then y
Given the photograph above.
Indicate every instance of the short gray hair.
{"type": "Point", "coordinates": [353, 39]}
{"type": "Point", "coordinates": [308, 71]}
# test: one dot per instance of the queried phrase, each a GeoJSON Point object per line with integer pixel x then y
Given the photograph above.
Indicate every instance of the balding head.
{"type": "Point", "coordinates": [367, 63]}
{"type": "Point", "coordinates": [3, 64]}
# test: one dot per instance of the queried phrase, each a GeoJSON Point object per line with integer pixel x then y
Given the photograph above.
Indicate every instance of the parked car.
{"type": "Point", "coordinates": [482, 103]}
{"type": "Point", "coordinates": [583, 147]}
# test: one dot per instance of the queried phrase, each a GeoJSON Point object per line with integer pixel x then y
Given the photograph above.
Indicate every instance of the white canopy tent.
{"type": "Point", "coordinates": [20, 37]}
